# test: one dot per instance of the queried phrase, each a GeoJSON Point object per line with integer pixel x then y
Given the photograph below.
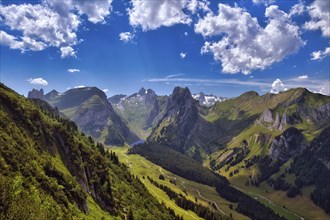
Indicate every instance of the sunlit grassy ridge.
{"type": "Point", "coordinates": [50, 170]}
{"type": "Point", "coordinates": [143, 167]}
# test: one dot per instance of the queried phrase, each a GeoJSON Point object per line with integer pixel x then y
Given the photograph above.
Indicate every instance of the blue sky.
{"type": "Point", "coordinates": [219, 47]}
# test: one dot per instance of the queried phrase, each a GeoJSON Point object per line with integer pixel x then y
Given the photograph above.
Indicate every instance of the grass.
{"type": "Point", "coordinates": [298, 206]}
{"type": "Point", "coordinates": [142, 167]}
{"type": "Point", "coordinates": [96, 212]}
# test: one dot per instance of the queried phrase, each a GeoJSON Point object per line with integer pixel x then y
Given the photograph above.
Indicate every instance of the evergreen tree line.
{"type": "Point", "coordinates": [181, 201]}
{"type": "Point", "coordinates": [246, 204]}
{"type": "Point", "coordinates": [177, 163]}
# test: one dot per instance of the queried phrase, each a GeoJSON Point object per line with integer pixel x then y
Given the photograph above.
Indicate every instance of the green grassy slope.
{"type": "Point", "coordinates": [50, 170]}
{"type": "Point", "coordinates": [259, 140]}
{"type": "Point", "coordinates": [205, 195]}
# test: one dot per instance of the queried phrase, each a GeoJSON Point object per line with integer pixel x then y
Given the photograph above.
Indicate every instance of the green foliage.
{"type": "Point", "coordinates": [177, 163]}
{"type": "Point", "coordinates": [181, 201]}
{"type": "Point", "coordinates": [246, 204]}
{"type": "Point", "coordinates": [309, 169]}
{"type": "Point", "coordinates": [48, 168]}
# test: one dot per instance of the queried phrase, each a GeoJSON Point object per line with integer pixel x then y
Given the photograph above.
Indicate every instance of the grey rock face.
{"type": "Point", "coordinates": [36, 94]}
{"type": "Point", "coordinates": [142, 91]}
{"type": "Point", "coordinates": [286, 145]}
{"type": "Point", "coordinates": [321, 113]}
{"type": "Point", "coordinates": [266, 116]}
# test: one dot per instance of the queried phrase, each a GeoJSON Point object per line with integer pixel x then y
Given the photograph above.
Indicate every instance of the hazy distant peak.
{"type": "Point", "coordinates": [142, 91]}
{"type": "Point", "coordinates": [36, 94]}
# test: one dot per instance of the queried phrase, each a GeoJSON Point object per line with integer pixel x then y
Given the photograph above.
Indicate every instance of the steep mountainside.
{"type": "Point", "coordinates": [185, 129]}
{"type": "Point", "coordinates": [94, 115]}
{"type": "Point", "coordinates": [250, 137]}
{"type": "Point", "coordinates": [49, 170]}
{"type": "Point", "coordinates": [179, 123]}
{"type": "Point", "coordinates": [284, 128]}
{"type": "Point", "coordinates": [141, 110]}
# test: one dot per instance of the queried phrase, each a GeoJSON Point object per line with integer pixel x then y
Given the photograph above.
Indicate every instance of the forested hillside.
{"type": "Point", "coordinates": [186, 167]}
{"type": "Point", "coordinates": [50, 170]}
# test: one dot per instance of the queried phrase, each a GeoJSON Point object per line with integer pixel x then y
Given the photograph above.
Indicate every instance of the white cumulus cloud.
{"type": "Point", "coordinates": [265, 2]}
{"type": "Point", "coordinates": [50, 23]}
{"type": "Point", "coordinates": [105, 90]}
{"type": "Point", "coordinates": [150, 15]}
{"type": "Point", "coordinates": [126, 36]}
{"type": "Point", "coordinates": [23, 44]}
{"type": "Point", "coordinates": [38, 81]}
{"type": "Point", "coordinates": [319, 11]}
{"type": "Point", "coordinates": [297, 9]}
{"type": "Point", "coordinates": [319, 55]}
{"type": "Point", "coordinates": [96, 11]}
{"type": "Point", "coordinates": [278, 86]}
{"type": "Point", "coordinates": [183, 55]}
{"type": "Point", "coordinates": [40, 26]}
{"type": "Point", "coordinates": [73, 70]}
{"type": "Point", "coordinates": [244, 44]}
{"type": "Point", "coordinates": [67, 52]}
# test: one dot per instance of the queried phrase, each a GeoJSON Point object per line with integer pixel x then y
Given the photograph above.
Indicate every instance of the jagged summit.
{"type": "Point", "coordinates": [36, 94]}
{"type": "Point", "coordinates": [52, 94]}
{"type": "Point", "coordinates": [142, 91]}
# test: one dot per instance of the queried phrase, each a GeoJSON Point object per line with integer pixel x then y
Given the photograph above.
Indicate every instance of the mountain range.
{"type": "Point", "coordinates": [51, 170]}
{"type": "Point", "coordinates": [266, 141]}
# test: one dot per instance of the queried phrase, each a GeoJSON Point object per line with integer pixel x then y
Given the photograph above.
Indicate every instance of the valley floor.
{"type": "Point", "coordinates": [205, 195]}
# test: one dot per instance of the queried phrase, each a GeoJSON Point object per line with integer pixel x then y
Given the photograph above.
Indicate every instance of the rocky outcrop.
{"type": "Point", "coordinates": [266, 116]}
{"type": "Point", "coordinates": [142, 91]}
{"type": "Point", "coordinates": [286, 145]}
{"type": "Point", "coordinates": [180, 121]}
{"type": "Point", "coordinates": [321, 114]}
{"type": "Point", "coordinates": [36, 94]}
{"type": "Point", "coordinates": [279, 123]}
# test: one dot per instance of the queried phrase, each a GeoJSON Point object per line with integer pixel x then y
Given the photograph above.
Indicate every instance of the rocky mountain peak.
{"type": "Point", "coordinates": [181, 95]}
{"type": "Point", "coordinates": [142, 91]}
{"type": "Point", "coordinates": [36, 94]}
{"type": "Point", "coordinates": [51, 94]}
{"type": "Point", "coordinates": [150, 96]}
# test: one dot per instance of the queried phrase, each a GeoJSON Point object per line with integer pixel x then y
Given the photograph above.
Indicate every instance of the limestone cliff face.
{"type": "Point", "coordinates": [36, 94]}
{"type": "Point", "coordinates": [286, 145]}
{"type": "Point", "coordinates": [180, 121]}
{"type": "Point", "coordinates": [266, 116]}
{"type": "Point", "coordinates": [321, 113]}
{"type": "Point", "coordinates": [278, 123]}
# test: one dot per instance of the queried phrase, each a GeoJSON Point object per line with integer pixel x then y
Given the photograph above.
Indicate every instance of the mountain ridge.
{"type": "Point", "coordinates": [52, 170]}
